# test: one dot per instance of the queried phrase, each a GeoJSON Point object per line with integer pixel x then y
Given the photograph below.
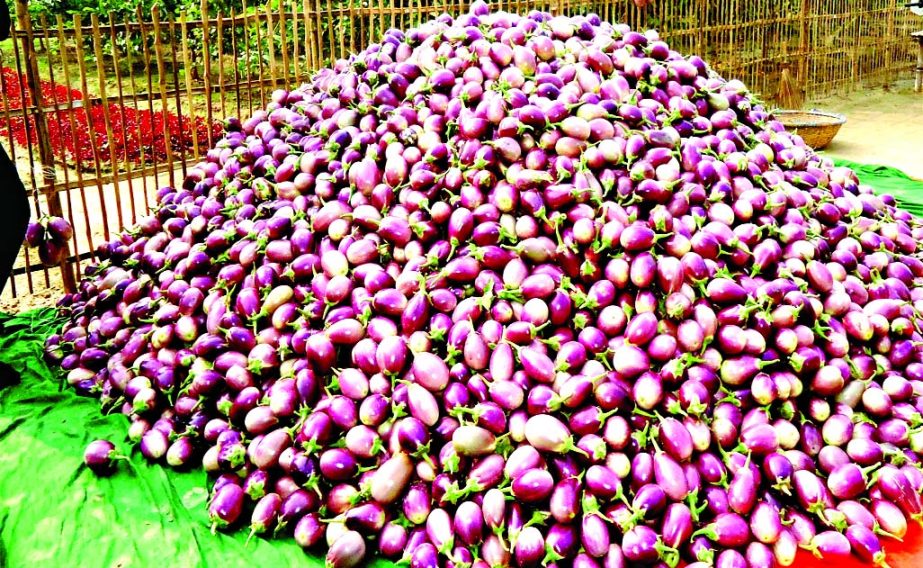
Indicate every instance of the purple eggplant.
{"type": "Point", "coordinates": [894, 485]}
{"type": "Point", "coordinates": [830, 544]}
{"type": "Point", "coordinates": [391, 478]}
{"type": "Point", "coordinates": [847, 481]}
{"type": "Point", "coordinates": [347, 551]}
{"type": "Point", "coordinates": [728, 529]}
{"type": "Point", "coordinates": [548, 434]}
{"type": "Point", "coordinates": [533, 485]}
{"type": "Point", "coordinates": [100, 456]}
{"type": "Point", "coordinates": [529, 549]}
{"type": "Point", "coordinates": [226, 506]}
{"type": "Point", "coordinates": [309, 531]}
{"type": "Point", "coordinates": [468, 523]}
{"type": "Point", "coordinates": [642, 544]}
{"type": "Point", "coordinates": [265, 514]}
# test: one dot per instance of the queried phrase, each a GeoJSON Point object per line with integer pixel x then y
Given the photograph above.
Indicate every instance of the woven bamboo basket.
{"type": "Point", "coordinates": [817, 128]}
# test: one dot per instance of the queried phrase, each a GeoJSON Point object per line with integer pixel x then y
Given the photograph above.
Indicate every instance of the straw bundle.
{"type": "Point", "coordinates": [791, 94]}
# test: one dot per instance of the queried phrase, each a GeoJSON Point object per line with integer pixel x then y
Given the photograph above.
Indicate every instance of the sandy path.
{"type": "Point", "coordinates": [882, 127]}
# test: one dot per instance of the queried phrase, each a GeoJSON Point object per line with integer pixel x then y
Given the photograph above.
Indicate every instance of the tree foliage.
{"type": "Point", "coordinates": [123, 8]}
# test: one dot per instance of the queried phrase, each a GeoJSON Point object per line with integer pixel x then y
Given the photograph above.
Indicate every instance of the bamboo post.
{"type": "Point", "coordinates": [73, 127]}
{"type": "Point", "coordinates": [381, 20]}
{"type": "Point", "coordinates": [259, 56]}
{"type": "Point", "coordinates": [340, 21]}
{"type": "Point", "coordinates": [331, 35]}
{"type": "Point", "coordinates": [393, 11]}
{"type": "Point", "coordinates": [107, 118]}
{"type": "Point", "coordinates": [702, 11]}
{"type": "Point", "coordinates": [206, 58]}
{"type": "Point", "coordinates": [270, 43]}
{"type": "Point", "coordinates": [60, 124]}
{"type": "Point", "coordinates": [918, 72]}
{"type": "Point", "coordinates": [296, 56]}
{"type": "Point", "coordinates": [219, 41]}
{"type": "Point", "coordinates": [804, 42]}
{"type": "Point", "coordinates": [855, 58]}
{"type": "Point", "coordinates": [5, 90]}
{"type": "Point", "coordinates": [17, 56]}
{"type": "Point", "coordinates": [121, 99]}
{"type": "Point", "coordinates": [283, 46]}
{"type": "Point", "coordinates": [133, 90]}
{"type": "Point", "coordinates": [309, 51]}
{"type": "Point", "coordinates": [187, 65]}
{"type": "Point", "coordinates": [247, 56]}
{"type": "Point", "coordinates": [354, 20]}
{"type": "Point", "coordinates": [165, 108]}
{"type": "Point", "coordinates": [150, 86]}
{"type": "Point", "coordinates": [45, 152]}
{"type": "Point", "coordinates": [24, 110]}
{"type": "Point", "coordinates": [889, 50]}
{"type": "Point", "coordinates": [181, 119]}
{"type": "Point", "coordinates": [237, 78]}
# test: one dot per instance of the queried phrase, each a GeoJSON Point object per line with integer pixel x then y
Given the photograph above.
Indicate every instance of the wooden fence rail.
{"type": "Point", "coordinates": [100, 112]}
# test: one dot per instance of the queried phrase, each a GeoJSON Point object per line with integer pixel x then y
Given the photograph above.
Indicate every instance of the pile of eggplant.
{"type": "Point", "coordinates": [513, 290]}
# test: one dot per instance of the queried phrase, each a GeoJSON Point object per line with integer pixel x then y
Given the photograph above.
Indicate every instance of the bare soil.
{"type": "Point", "coordinates": [883, 127]}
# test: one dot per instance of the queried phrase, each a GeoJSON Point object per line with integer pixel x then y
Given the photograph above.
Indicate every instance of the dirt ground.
{"type": "Point", "coordinates": [883, 127]}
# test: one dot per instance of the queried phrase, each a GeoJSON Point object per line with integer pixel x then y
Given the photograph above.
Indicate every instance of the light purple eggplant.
{"type": "Point", "coordinates": [391, 478]}
{"type": "Point", "coordinates": [677, 526]}
{"type": "Point", "coordinates": [468, 523]}
{"type": "Point", "coordinates": [265, 514]}
{"type": "Point", "coordinates": [347, 551]}
{"type": "Point", "coordinates": [439, 530]}
{"type": "Point", "coordinates": [533, 485]}
{"type": "Point", "coordinates": [766, 523]}
{"type": "Point", "coordinates": [369, 517]}
{"type": "Point", "coordinates": [895, 486]}
{"type": "Point", "coordinates": [430, 371]}
{"type": "Point", "coordinates": [830, 544]}
{"type": "Point", "coordinates": [309, 531]}
{"type": "Point", "coordinates": [530, 547]}
{"type": "Point", "coordinates": [473, 441]}
{"type": "Point", "coordinates": [847, 481]}
{"type": "Point", "coordinates": [728, 529]}
{"type": "Point", "coordinates": [548, 434]}
{"type": "Point", "coordinates": [226, 506]}
{"type": "Point", "coordinates": [392, 540]}
{"type": "Point", "coordinates": [890, 517]}
{"type": "Point", "coordinates": [865, 544]}
{"type": "Point", "coordinates": [100, 456]}
{"type": "Point", "coordinates": [670, 476]}
{"type": "Point", "coordinates": [642, 544]}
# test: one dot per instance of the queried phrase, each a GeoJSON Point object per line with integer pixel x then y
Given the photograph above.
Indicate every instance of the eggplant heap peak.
{"type": "Point", "coordinates": [516, 291]}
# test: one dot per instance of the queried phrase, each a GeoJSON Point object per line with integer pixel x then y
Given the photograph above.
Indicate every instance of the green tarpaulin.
{"type": "Point", "coordinates": [54, 512]}
{"type": "Point", "coordinates": [907, 191]}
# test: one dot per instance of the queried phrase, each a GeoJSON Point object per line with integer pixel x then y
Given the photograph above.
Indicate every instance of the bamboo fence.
{"type": "Point", "coordinates": [101, 112]}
